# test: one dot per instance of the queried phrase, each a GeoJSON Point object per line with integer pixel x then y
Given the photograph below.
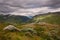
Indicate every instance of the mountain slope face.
{"type": "Point", "coordinates": [13, 19]}
{"type": "Point", "coordinates": [52, 18]}
{"type": "Point", "coordinates": [45, 27]}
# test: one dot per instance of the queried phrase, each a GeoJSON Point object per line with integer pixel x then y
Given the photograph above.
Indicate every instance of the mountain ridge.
{"type": "Point", "coordinates": [47, 17]}
{"type": "Point", "coordinates": [14, 18]}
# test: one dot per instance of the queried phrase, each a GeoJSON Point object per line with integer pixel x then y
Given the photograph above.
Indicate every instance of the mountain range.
{"type": "Point", "coordinates": [51, 17]}
{"type": "Point", "coordinates": [39, 27]}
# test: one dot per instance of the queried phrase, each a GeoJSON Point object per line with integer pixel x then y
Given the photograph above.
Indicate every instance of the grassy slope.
{"type": "Point", "coordinates": [52, 18]}
{"type": "Point", "coordinates": [48, 29]}
{"type": "Point", "coordinates": [44, 32]}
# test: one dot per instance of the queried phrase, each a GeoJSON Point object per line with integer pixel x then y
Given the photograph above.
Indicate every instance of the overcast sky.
{"type": "Point", "coordinates": [28, 7]}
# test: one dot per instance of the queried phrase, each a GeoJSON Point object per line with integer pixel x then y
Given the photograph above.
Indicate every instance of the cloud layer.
{"type": "Point", "coordinates": [28, 7]}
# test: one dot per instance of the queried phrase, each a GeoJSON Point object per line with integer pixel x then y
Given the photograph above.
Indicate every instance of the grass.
{"type": "Point", "coordinates": [44, 32]}
{"type": "Point", "coordinates": [47, 29]}
{"type": "Point", "coordinates": [51, 18]}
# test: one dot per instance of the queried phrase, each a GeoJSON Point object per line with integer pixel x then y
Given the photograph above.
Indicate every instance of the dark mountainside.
{"type": "Point", "coordinates": [13, 19]}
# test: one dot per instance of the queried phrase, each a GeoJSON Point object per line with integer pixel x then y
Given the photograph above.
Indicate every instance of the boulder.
{"type": "Point", "coordinates": [11, 28]}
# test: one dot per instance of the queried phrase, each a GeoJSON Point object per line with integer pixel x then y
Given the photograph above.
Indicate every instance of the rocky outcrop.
{"type": "Point", "coordinates": [11, 28]}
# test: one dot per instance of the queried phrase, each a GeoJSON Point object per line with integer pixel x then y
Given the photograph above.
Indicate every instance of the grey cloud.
{"type": "Point", "coordinates": [47, 3]}
{"type": "Point", "coordinates": [32, 3]}
{"type": "Point", "coordinates": [12, 3]}
{"type": "Point", "coordinates": [53, 4]}
{"type": "Point", "coordinates": [10, 6]}
{"type": "Point", "coordinates": [5, 9]}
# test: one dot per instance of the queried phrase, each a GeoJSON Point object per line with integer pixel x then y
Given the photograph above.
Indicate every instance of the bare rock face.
{"type": "Point", "coordinates": [11, 27]}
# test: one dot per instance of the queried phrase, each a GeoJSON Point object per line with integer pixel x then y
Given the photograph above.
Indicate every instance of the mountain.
{"type": "Point", "coordinates": [51, 17]}
{"type": "Point", "coordinates": [40, 27]}
{"type": "Point", "coordinates": [11, 19]}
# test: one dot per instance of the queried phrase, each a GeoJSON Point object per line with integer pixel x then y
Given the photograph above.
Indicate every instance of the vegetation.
{"type": "Point", "coordinates": [52, 18]}
{"type": "Point", "coordinates": [40, 27]}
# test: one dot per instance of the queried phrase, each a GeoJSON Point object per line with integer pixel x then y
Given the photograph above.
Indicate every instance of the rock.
{"type": "Point", "coordinates": [11, 28]}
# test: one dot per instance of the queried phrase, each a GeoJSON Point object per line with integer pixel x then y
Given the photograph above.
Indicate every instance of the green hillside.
{"type": "Point", "coordinates": [52, 18]}
{"type": "Point", "coordinates": [40, 27]}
